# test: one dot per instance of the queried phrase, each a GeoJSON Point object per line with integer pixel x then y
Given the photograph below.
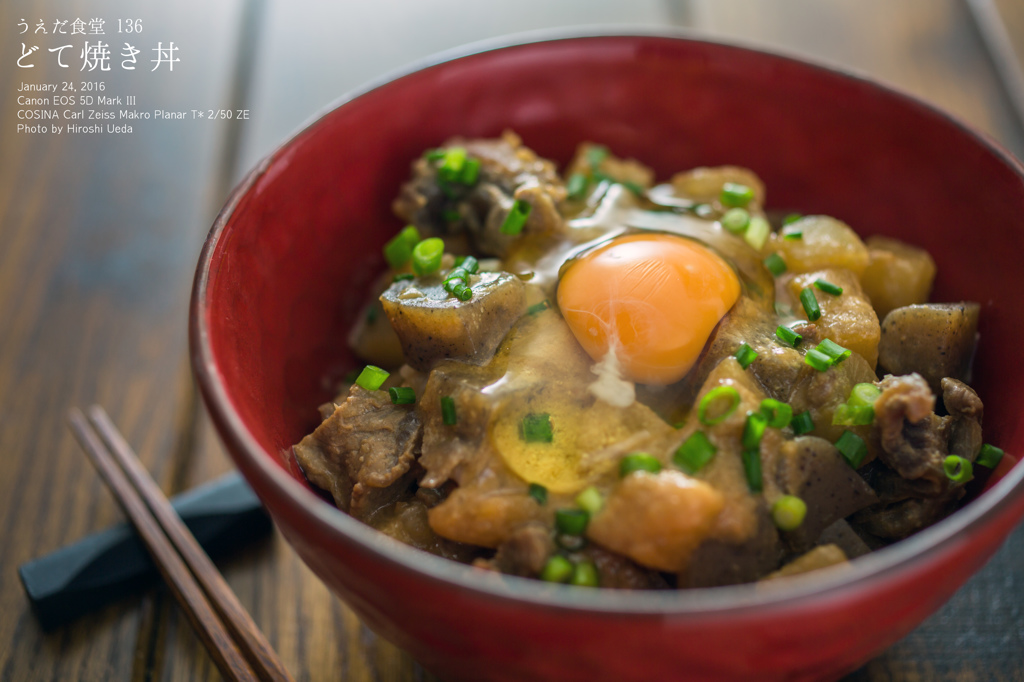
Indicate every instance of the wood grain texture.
{"type": "Point", "coordinates": [98, 239]}
{"type": "Point", "coordinates": [928, 48]}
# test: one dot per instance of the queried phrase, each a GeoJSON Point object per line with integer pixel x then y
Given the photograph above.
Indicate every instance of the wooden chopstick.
{"type": "Point", "coordinates": [186, 568]}
{"type": "Point", "coordinates": [244, 631]}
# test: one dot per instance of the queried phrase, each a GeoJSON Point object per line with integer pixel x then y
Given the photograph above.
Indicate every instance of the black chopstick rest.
{"type": "Point", "coordinates": [224, 515]}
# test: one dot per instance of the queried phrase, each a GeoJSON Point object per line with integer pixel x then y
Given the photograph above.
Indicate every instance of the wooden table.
{"type": "Point", "coordinates": [100, 234]}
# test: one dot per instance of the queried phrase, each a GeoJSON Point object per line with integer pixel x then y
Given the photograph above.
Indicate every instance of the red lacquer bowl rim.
{"type": "Point", "coordinates": [889, 565]}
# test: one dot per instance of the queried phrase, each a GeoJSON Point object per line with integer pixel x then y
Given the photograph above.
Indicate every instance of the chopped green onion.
{"type": "Point", "coordinates": [516, 218]}
{"type": "Point", "coordinates": [833, 350]}
{"type": "Point", "coordinates": [584, 574]}
{"type": "Point", "coordinates": [958, 470]}
{"type": "Point", "coordinates": [402, 395]}
{"type": "Point", "coordinates": [778, 413]}
{"type": "Point", "coordinates": [371, 378]}
{"type": "Point", "coordinates": [736, 220]}
{"type": "Point", "coordinates": [577, 186]}
{"type": "Point", "coordinates": [775, 264]}
{"type": "Point", "coordinates": [470, 172]}
{"type": "Point", "coordinates": [818, 360]}
{"type": "Point", "coordinates": [752, 469]}
{"type": "Point", "coordinates": [398, 251]}
{"type": "Point", "coordinates": [788, 336]}
{"type": "Point", "coordinates": [757, 232]}
{"type": "Point", "coordinates": [538, 307]}
{"type": "Point", "coordinates": [426, 256]}
{"type": "Point", "coordinates": [451, 166]}
{"type": "Point", "coordinates": [448, 410]}
{"type": "Point", "coordinates": [789, 512]}
{"type": "Point", "coordinates": [571, 521]}
{"type": "Point", "coordinates": [403, 277]}
{"type": "Point", "coordinates": [745, 355]}
{"type": "Point", "coordinates": [456, 274]}
{"type": "Point", "coordinates": [853, 415]}
{"type": "Point", "coordinates": [753, 430]}
{"type": "Point", "coordinates": [590, 500]}
{"type": "Point", "coordinates": [558, 569]}
{"type": "Point", "coordinates": [852, 448]}
{"type": "Point", "coordinates": [989, 456]}
{"type": "Point", "coordinates": [451, 215]}
{"type": "Point", "coordinates": [596, 154]}
{"type": "Point", "coordinates": [695, 452]}
{"type": "Point", "coordinates": [456, 283]}
{"type": "Point", "coordinates": [810, 304]}
{"type": "Point", "coordinates": [638, 461]}
{"type": "Point", "coordinates": [434, 154]}
{"type": "Point", "coordinates": [802, 423]}
{"type": "Point", "coordinates": [864, 394]}
{"type": "Point", "coordinates": [859, 408]}
{"type": "Point", "coordinates": [371, 315]}
{"type": "Point", "coordinates": [828, 287]}
{"type": "Point", "coordinates": [468, 263]}
{"type": "Point", "coordinates": [791, 218]}
{"type": "Point", "coordinates": [725, 400]}
{"type": "Point", "coordinates": [539, 493]}
{"type": "Point", "coordinates": [736, 195]}
{"type": "Point", "coordinates": [793, 236]}
{"type": "Point", "coordinates": [536, 428]}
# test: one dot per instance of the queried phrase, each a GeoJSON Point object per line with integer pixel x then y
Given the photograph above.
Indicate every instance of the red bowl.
{"type": "Point", "coordinates": [289, 259]}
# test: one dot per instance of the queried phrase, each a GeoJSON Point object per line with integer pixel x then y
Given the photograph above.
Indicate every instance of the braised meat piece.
{"type": "Point", "coordinates": [523, 553]}
{"type": "Point", "coordinates": [897, 521]}
{"type": "Point", "coordinates": [965, 408]}
{"type": "Point", "coordinates": [909, 479]}
{"type": "Point", "coordinates": [508, 172]}
{"type": "Point", "coordinates": [619, 573]}
{"type": "Point", "coordinates": [406, 521]}
{"type": "Point", "coordinates": [913, 438]}
{"type": "Point", "coordinates": [362, 453]}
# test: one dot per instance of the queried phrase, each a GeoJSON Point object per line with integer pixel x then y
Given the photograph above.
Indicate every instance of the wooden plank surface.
{"type": "Point", "coordinates": [100, 237]}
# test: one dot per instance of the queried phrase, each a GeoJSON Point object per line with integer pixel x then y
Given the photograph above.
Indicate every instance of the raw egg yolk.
{"type": "Point", "coordinates": [652, 298]}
